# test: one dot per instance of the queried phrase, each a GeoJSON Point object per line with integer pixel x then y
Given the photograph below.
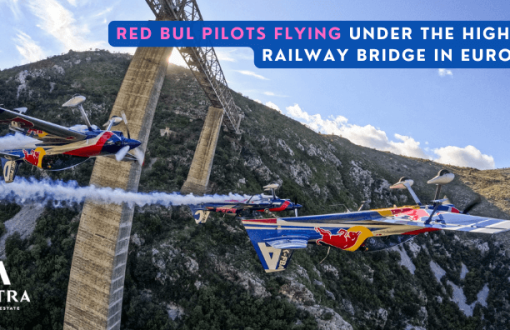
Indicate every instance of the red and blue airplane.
{"type": "Point", "coordinates": [58, 147]}
{"type": "Point", "coordinates": [256, 203]}
{"type": "Point", "coordinates": [275, 239]}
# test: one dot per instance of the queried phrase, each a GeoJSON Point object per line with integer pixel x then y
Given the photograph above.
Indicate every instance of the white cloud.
{"type": "Point", "coordinates": [225, 55]}
{"type": "Point", "coordinates": [104, 12]}
{"type": "Point", "coordinates": [273, 94]}
{"type": "Point", "coordinates": [72, 2]}
{"type": "Point", "coordinates": [369, 136]}
{"type": "Point", "coordinates": [27, 47]}
{"type": "Point", "coordinates": [251, 73]}
{"type": "Point", "coordinates": [243, 53]}
{"type": "Point", "coordinates": [445, 72]}
{"type": "Point", "coordinates": [13, 6]}
{"type": "Point", "coordinates": [258, 101]}
{"type": "Point", "coordinates": [316, 121]}
{"type": "Point", "coordinates": [60, 23]}
{"type": "Point", "coordinates": [407, 147]}
{"type": "Point", "coordinates": [468, 156]}
{"type": "Point", "coordinates": [273, 106]}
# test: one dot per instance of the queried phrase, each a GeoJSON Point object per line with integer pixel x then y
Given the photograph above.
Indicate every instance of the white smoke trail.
{"type": "Point", "coordinates": [23, 191]}
{"type": "Point", "coordinates": [17, 141]}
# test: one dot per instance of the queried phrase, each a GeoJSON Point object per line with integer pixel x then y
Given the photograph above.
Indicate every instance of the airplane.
{"type": "Point", "coordinates": [256, 203]}
{"type": "Point", "coordinates": [275, 239]}
{"type": "Point", "coordinates": [58, 147]}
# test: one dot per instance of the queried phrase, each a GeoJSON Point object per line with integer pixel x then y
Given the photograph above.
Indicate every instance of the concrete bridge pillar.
{"type": "Point", "coordinates": [96, 283]}
{"type": "Point", "coordinates": [200, 170]}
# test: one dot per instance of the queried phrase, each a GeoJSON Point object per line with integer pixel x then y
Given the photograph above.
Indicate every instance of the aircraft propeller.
{"type": "Point", "coordinates": [137, 152]}
{"type": "Point", "coordinates": [123, 114]}
{"type": "Point", "coordinates": [121, 153]}
{"type": "Point", "coordinates": [139, 155]}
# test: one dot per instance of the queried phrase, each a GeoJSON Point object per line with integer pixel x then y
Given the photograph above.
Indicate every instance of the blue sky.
{"type": "Point", "coordinates": [452, 116]}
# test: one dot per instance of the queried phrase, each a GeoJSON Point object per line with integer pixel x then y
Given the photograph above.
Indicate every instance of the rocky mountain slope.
{"type": "Point", "coordinates": [185, 276]}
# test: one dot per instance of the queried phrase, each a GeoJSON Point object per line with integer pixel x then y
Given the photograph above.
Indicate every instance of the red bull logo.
{"type": "Point", "coordinates": [36, 132]}
{"type": "Point", "coordinates": [348, 240]}
{"type": "Point", "coordinates": [35, 156]}
{"type": "Point", "coordinates": [32, 157]}
{"type": "Point", "coordinates": [225, 210]}
{"type": "Point", "coordinates": [400, 210]}
{"type": "Point", "coordinates": [395, 211]}
{"type": "Point", "coordinates": [415, 215]}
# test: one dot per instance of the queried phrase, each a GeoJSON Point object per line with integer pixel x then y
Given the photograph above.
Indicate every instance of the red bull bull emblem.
{"type": "Point", "coordinates": [32, 157]}
{"type": "Point", "coordinates": [415, 215]}
{"type": "Point", "coordinates": [225, 210]}
{"type": "Point", "coordinates": [348, 240]}
{"type": "Point", "coordinates": [35, 156]}
{"type": "Point", "coordinates": [36, 132]}
{"type": "Point", "coordinates": [400, 210]}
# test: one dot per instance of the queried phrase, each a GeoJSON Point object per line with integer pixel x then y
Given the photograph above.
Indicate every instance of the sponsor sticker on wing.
{"type": "Point", "coordinates": [35, 156]}
{"type": "Point", "coordinates": [36, 132]}
{"type": "Point", "coordinates": [414, 215]}
{"type": "Point", "coordinates": [349, 240]}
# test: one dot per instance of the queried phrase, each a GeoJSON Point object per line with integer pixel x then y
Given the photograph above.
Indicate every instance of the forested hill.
{"type": "Point", "coordinates": [184, 276]}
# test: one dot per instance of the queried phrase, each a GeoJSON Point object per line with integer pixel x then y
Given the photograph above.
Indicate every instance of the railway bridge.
{"type": "Point", "coordinates": [96, 283]}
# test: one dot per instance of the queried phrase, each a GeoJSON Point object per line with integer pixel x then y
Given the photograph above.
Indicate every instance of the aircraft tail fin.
{"type": "Point", "coordinates": [274, 252]}
{"type": "Point", "coordinates": [199, 213]}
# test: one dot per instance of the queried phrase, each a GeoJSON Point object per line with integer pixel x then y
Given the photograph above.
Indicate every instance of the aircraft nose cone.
{"type": "Point", "coordinates": [298, 206]}
{"type": "Point", "coordinates": [132, 143]}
